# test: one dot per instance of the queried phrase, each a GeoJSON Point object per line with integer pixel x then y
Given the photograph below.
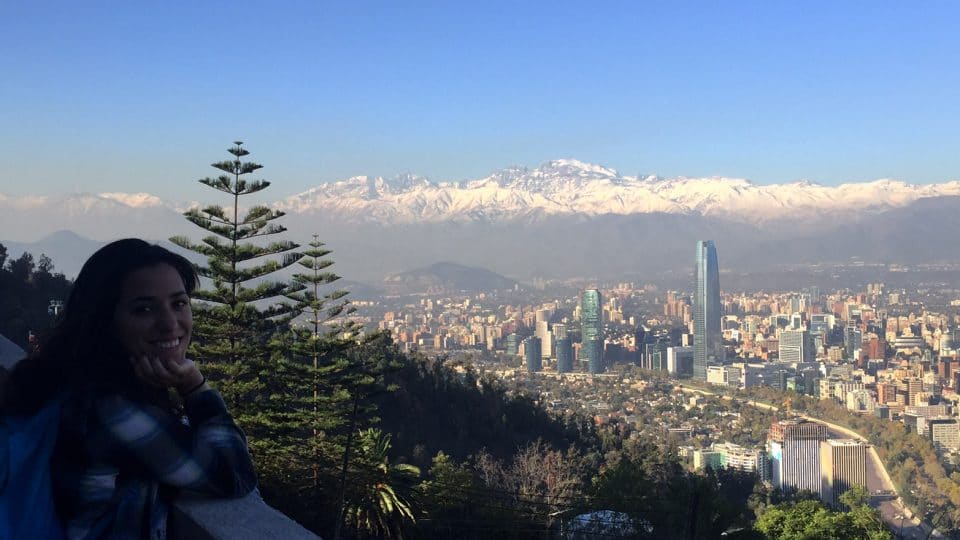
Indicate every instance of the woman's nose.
{"type": "Point", "coordinates": [166, 319]}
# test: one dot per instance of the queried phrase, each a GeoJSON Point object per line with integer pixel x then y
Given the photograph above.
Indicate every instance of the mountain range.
{"type": "Point", "coordinates": [565, 218]}
{"type": "Point", "coordinates": [569, 187]}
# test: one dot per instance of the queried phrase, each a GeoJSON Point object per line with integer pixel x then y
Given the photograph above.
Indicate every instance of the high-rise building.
{"type": "Point", "coordinates": [814, 293]}
{"type": "Point", "coordinates": [844, 465]}
{"type": "Point", "coordinates": [591, 351]}
{"type": "Point", "coordinates": [794, 448]}
{"type": "Point", "coordinates": [914, 389]}
{"type": "Point", "coordinates": [944, 432]}
{"type": "Point", "coordinates": [542, 331]}
{"type": "Point", "coordinates": [796, 346]}
{"type": "Point", "coordinates": [513, 343]}
{"type": "Point", "coordinates": [563, 348]}
{"type": "Point", "coordinates": [852, 339]}
{"type": "Point", "coordinates": [707, 344]}
{"type": "Point", "coordinates": [680, 361]}
{"type": "Point", "coordinates": [655, 355]}
{"type": "Point", "coordinates": [822, 324]}
{"type": "Point", "coordinates": [559, 330]}
{"type": "Point", "coordinates": [591, 330]}
{"type": "Point", "coordinates": [531, 352]}
{"type": "Point", "coordinates": [564, 355]}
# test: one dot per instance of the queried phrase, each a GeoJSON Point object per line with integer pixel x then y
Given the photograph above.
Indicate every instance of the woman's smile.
{"type": "Point", "coordinates": [153, 315]}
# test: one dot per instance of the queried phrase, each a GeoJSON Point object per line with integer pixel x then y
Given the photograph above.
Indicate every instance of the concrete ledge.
{"type": "Point", "coordinates": [249, 517]}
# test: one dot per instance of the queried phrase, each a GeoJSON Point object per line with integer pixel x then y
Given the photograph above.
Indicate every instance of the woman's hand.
{"type": "Point", "coordinates": [163, 372]}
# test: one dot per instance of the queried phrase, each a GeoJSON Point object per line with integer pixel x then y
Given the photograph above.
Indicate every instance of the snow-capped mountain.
{"type": "Point", "coordinates": [95, 215]}
{"type": "Point", "coordinates": [564, 218]}
{"type": "Point", "coordinates": [571, 187]}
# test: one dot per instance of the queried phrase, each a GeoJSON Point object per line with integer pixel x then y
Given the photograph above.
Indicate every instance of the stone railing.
{"type": "Point", "coordinates": [232, 519]}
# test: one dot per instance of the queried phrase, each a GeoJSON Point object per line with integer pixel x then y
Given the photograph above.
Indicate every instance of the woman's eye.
{"type": "Point", "coordinates": [181, 303]}
{"type": "Point", "coordinates": [142, 309]}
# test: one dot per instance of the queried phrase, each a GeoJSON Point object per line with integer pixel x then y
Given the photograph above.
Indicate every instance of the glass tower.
{"type": "Point", "coordinates": [531, 350]}
{"type": "Point", "coordinates": [591, 329]}
{"type": "Point", "coordinates": [564, 355]}
{"type": "Point", "coordinates": [707, 345]}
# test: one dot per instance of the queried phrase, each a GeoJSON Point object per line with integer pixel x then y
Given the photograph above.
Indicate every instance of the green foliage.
{"type": "Point", "coordinates": [647, 483]}
{"type": "Point", "coordinates": [810, 519]}
{"type": "Point", "coordinates": [444, 498]}
{"type": "Point", "coordinates": [440, 406]}
{"type": "Point", "coordinates": [242, 335]}
{"type": "Point", "coordinates": [374, 507]}
{"type": "Point", "coordinates": [230, 332]}
{"type": "Point", "coordinates": [309, 383]}
{"type": "Point", "coordinates": [26, 289]}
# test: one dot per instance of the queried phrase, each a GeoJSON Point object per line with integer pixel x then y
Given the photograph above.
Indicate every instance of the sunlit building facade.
{"type": "Point", "coordinates": [591, 330]}
{"type": "Point", "coordinates": [794, 449]}
{"type": "Point", "coordinates": [843, 463]}
{"type": "Point", "coordinates": [796, 346]}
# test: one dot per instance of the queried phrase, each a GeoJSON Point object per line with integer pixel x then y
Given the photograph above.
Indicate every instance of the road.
{"type": "Point", "coordinates": [892, 509]}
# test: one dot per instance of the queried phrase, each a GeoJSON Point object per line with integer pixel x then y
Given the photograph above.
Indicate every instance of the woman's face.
{"type": "Point", "coordinates": [153, 317]}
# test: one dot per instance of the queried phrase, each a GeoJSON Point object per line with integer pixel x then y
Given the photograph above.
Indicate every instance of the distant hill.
{"type": "Point", "coordinates": [447, 276]}
{"type": "Point", "coordinates": [67, 249]}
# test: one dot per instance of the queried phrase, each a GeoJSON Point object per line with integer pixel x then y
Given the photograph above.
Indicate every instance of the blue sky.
{"type": "Point", "coordinates": [142, 96]}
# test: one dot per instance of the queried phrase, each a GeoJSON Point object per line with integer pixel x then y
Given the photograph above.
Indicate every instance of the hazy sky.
{"type": "Point", "coordinates": [142, 96]}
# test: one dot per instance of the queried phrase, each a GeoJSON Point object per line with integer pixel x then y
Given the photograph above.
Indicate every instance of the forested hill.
{"type": "Point", "coordinates": [439, 407]}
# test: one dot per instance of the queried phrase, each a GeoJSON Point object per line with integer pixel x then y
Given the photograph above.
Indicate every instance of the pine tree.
{"type": "Point", "coordinates": [323, 343]}
{"type": "Point", "coordinates": [310, 383]}
{"type": "Point", "coordinates": [231, 327]}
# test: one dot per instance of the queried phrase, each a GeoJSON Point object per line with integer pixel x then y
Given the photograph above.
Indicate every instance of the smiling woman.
{"type": "Point", "coordinates": [153, 322]}
{"type": "Point", "coordinates": [126, 444]}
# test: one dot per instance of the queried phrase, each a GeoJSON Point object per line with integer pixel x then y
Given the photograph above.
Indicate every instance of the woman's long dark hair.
{"type": "Point", "coordinates": [82, 349]}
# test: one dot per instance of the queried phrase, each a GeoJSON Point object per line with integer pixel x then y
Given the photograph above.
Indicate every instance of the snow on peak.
{"type": "Point", "coordinates": [573, 166]}
{"type": "Point", "coordinates": [135, 200]}
{"type": "Point", "coordinates": [569, 186]}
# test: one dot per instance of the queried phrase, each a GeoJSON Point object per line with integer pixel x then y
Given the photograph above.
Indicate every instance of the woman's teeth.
{"type": "Point", "coordinates": [172, 344]}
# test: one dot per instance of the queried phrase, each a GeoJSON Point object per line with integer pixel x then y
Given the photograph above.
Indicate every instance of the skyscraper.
{"type": "Point", "coordinates": [542, 331]}
{"type": "Point", "coordinates": [707, 344]}
{"type": "Point", "coordinates": [591, 329]}
{"type": "Point", "coordinates": [796, 346]}
{"type": "Point", "coordinates": [794, 447]}
{"type": "Point", "coordinates": [564, 348]}
{"type": "Point", "coordinates": [564, 355]}
{"type": "Point", "coordinates": [844, 465]}
{"type": "Point", "coordinates": [513, 343]}
{"type": "Point", "coordinates": [532, 354]}
{"type": "Point", "coordinates": [852, 339]}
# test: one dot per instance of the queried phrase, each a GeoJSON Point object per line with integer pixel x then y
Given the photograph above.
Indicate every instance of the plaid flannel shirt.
{"type": "Point", "coordinates": [133, 458]}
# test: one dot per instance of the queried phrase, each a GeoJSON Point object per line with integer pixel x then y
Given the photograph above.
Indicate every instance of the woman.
{"type": "Point", "coordinates": [126, 444]}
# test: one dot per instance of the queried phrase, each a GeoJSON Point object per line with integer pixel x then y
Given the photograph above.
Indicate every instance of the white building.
{"type": "Point", "coordinates": [794, 449]}
{"type": "Point", "coordinates": [844, 465]}
{"type": "Point", "coordinates": [796, 346]}
{"type": "Point", "coordinates": [680, 359]}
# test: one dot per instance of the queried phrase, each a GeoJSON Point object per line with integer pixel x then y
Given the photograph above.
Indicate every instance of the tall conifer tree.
{"type": "Point", "coordinates": [309, 383]}
{"type": "Point", "coordinates": [232, 324]}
